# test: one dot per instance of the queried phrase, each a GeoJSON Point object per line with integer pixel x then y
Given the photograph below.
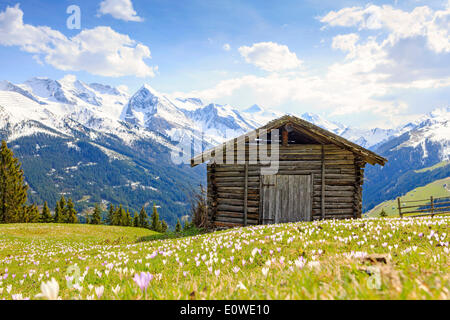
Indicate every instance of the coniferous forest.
{"type": "Point", "coordinates": [14, 206]}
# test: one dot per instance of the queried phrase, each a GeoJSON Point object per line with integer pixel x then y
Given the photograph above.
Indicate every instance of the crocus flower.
{"type": "Point", "coordinates": [99, 291]}
{"type": "Point", "coordinates": [143, 279]}
{"type": "Point", "coordinates": [116, 289]}
{"type": "Point", "coordinates": [241, 286]}
{"type": "Point", "coordinates": [49, 290]}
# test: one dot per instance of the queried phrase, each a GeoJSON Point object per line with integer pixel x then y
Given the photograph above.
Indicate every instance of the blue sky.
{"type": "Point", "coordinates": [362, 63]}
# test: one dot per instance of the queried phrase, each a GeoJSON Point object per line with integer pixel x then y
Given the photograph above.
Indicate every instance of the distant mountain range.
{"type": "Point", "coordinates": [96, 143]}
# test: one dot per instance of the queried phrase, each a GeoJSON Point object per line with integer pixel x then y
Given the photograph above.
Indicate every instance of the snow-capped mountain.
{"type": "Point", "coordinates": [417, 145]}
{"type": "Point", "coordinates": [44, 119]}
{"type": "Point", "coordinates": [431, 129]}
{"type": "Point", "coordinates": [151, 114]}
{"type": "Point", "coordinates": [146, 114]}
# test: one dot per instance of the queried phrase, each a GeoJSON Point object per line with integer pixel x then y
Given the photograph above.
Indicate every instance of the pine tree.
{"type": "Point", "coordinates": [155, 222]}
{"type": "Point", "coordinates": [383, 213]}
{"type": "Point", "coordinates": [187, 225]}
{"type": "Point", "coordinates": [178, 226]}
{"type": "Point", "coordinates": [64, 217]}
{"type": "Point", "coordinates": [58, 214]}
{"type": "Point", "coordinates": [143, 218]}
{"type": "Point", "coordinates": [164, 226]}
{"type": "Point", "coordinates": [13, 190]}
{"type": "Point", "coordinates": [46, 216]}
{"type": "Point", "coordinates": [32, 214]}
{"type": "Point", "coordinates": [117, 218]}
{"type": "Point", "coordinates": [123, 217]}
{"type": "Point", "coordinates": [110, 216]}
{"type": "Point", "coordinates": [96, 216]}
{"type": "Point", "coordinates": [136, 220]}
{"type": "Point", "coordinates": [128, 219]}
{"type": "Point", "coordinates": [71, 212]}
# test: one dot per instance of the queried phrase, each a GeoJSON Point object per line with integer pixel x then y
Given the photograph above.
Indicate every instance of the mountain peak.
{"type": "Point", "coordinates": [253, 109]}
{"type": "Point", "coordinates": [150, 89]}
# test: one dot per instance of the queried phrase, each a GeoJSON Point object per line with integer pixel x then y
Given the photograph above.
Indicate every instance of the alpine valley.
{"type": "Point", "coordinates": [98, 144]}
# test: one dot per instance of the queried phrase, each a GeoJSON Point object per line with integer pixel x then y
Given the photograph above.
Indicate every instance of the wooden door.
{"type": "Point", "coordinates": [286, 198]}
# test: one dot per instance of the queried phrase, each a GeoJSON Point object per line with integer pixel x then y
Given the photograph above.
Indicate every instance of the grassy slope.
{"type": "Point", "coordinates": [260, 262]}
{"type": "Point", "coordinates": [68, 232]}
{"type": "Point", "coordinates": [436, 166]}
{"type": "Point", "coordinates": [435, 189]}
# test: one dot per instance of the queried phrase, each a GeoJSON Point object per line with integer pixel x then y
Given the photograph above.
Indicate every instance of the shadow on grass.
{"type": "Point", "coordinates": [173, 235]}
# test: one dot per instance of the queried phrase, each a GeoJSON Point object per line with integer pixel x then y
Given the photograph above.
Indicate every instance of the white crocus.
{"type": "Point", "coordinates": [116, 290]}
{"type": "Point", "coordinates": [241, 286]}
{"type": "Point", "coordinates": [99, 291]}
{"type": "Point", "coordinates": [49, 290]}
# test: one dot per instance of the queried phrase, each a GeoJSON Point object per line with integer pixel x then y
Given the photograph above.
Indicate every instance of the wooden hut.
{"type": "Point", "coordinates": [319, 175]}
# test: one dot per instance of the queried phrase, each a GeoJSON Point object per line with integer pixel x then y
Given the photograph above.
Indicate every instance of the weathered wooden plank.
{"type": "Point", "coordinates": [283, 209]}
{"type": "Point", "coordinates": [334, 199]}
{"type": "Point", "coordinates": [238, 202]}
{"type": "Point", "coordinates": [235, 208]}
{"type": "Point", "coordinates": [232, 214]}
{"type": "Point", "coordinates": [238, 221]}
{"type": "Point", "coordinates": [334, 211]}
{"type": "Point", "coordinates": [334, 193]}
{"type": "Point", "coordinates": [246, 209]}
{"type": "Point", "coordinates": [322, 183]}
{"type": "Point", "coordinates": [331, 205]}
{"type": "Point", "coordinates": [237, 179]}
{"type": "Point", "coordinates": [334, 188]}
{"type": "Point", "coordinates": [219, 183]}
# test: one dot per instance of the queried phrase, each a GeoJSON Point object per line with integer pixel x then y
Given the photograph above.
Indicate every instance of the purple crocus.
{"type": "Point", "coordinates": [143, 279]}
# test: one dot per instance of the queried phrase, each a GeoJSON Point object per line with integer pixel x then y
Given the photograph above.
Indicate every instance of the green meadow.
{"type": "Point", "coordinates": [438, 188]}
{"type": "Point", "coordinates": [387, 258]}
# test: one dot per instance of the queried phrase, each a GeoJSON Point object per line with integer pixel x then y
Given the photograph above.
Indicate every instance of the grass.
{"type": "Point", "coordinates": [436, 166]}
{"type": "Point", "coordinates": [438, 188]}
{"type": "Point", "coordinates": [348, 259]}
{"type": "Point", "coordinates": [76, 233]}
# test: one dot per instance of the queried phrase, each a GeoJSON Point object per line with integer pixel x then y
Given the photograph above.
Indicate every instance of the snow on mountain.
{"type": "Point", "coordinates": [220, 122]}
{"type": "Point", "coordinates": [260, 115]}
{"type": "Point", "coordinates": [149, 109]}
{"type": "Point", "coordinates": [67, 102]}
{"type": "Point", "coordinates": [432, 129]}
{"type": "Point", "coordinates": [189, 103]}
{"type": "Point", "coordinates": [8, 86]}
{"type": "Point", "coordinates": [368, 138]}
{"type": "Point", "coordinates": [151, 114]}
{"type": "Point", "coordinates": [334, 127]}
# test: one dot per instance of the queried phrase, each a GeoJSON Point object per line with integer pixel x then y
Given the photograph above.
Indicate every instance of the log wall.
{"type": "Point", "coordinates": [338, 177]}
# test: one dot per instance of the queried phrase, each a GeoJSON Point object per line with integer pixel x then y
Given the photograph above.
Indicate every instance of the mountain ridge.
{"type": "Point", "coordinates": [137, 134]}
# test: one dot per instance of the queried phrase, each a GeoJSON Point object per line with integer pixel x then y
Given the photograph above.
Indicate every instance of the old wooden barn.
{"type": "Point", "coordinates": [318, 175]}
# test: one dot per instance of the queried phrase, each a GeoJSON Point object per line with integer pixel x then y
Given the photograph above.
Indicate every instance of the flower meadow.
{"type": "Point", "coordinates": [376, 258]}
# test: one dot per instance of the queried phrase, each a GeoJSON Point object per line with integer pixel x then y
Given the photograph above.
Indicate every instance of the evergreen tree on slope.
{"type": "Point", "coordinates": [13, 190]}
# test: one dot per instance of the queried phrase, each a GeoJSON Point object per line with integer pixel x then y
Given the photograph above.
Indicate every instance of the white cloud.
{"type": "Point", "coordinates": [100, 51]}
{"type": "Point", "coordinates": [408, 51]}
{"type": "Point", "coordinates": [119, 9]}
{"type": "Point", "coordinates": [346, 42]}
{"type": "Point", "coordinates": [270, 56]}
{"type": "Point", "coordinates": [434, 25]}
{"type": "Point", "coordinates": [413, 49]}
{"type": "Point", "coordinates": [226, 47]}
